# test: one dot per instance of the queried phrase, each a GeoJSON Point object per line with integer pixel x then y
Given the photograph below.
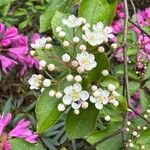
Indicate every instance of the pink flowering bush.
{"type": "Point", "coordinates": [14, 50]}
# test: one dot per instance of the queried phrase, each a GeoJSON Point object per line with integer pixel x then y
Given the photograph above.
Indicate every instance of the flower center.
{"type": "Point", "coordinates": [100, 98]}
{"type": "Point", "coordinates": [85, 61]}
{"type": "Point", "coordinates": [111, 97]}
{"type": "Point", "coordinates": [75, 95]}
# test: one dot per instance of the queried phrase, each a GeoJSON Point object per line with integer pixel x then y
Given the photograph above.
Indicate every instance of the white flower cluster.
{"type": "Point", "coordinates": [39, 82]}
{"type": "Point", "coordinates": [102, 97]}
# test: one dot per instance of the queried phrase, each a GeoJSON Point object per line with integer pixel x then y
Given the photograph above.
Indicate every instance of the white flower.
{"type": "Point", "coordinates": [46, 82]}
{"type": "Point", "coordinates": [86, 60]}
{"type": "Point", "coordinates": [74, 96]}
{"type": "Point", "coordinates": [39, 43]}
{"type": "Point", "coordinates": [76, 112]}
{"type": "Point", "coordinates": [101, 100]}
{"type": "Point", "coordinates": [32, 53]}
{"type": "Point", "coordinates": [66, 58]}
{"type": "Point", "coordinates": [106, 32]}
{"type": "Point", "coordinates": [34, 82]}
{"type": "Point", "coordinates": [48, 39]}
{"type": "Point", "coordinates": [93, 38]}
{"type": "Point", "coordinates": [94, 88]}
{"type": "Point", "coordinates": [72, 21]}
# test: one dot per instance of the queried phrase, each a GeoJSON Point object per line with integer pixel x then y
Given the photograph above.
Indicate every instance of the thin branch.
{"type": "Point", "coordinates": [106, 138]}
{"type": "Point", "coordinates": [146, 120]}
{"type": "Point", "coordinates": [126, 92]}
{"type": "Point", "coordinates": [139, 28]}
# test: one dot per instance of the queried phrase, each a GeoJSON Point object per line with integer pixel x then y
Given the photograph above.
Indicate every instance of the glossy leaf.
{"type": "Point", "coordinates": [82, 125]}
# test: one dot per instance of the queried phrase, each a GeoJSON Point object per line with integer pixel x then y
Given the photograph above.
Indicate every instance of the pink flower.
{"type": "Point", "coordinates": [4, 121]}
{"type": "Point", "coordinates": [7, 63]}
{"type": "Point", "coordinates": [21, 131]}
{"type": "Point", "coordinates": [117, 27]}
{"type": "Point", "coordinates": [6, 145]}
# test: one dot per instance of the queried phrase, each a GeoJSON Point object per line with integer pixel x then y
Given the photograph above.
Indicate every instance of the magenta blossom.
{"type": "Point", "coordinates": [21, 130]}
{"type": "Point", "coordinates": [14, 50]}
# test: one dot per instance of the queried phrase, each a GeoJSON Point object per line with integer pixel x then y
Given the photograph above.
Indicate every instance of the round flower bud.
{"type": "Point", "coordinates": [96, 94]}
{"type": "Point", "coordinates": [145, 116]}
{"type": "Point", "coordinates": [101, 49]}
{"type": "Point", "coordinates": [76, 111]}
{"type": "Point", "coordinates": [48, 39]}
{"type": "Point", "coordinates": [114, 45]}
{"type": "Point", "coordinates": [111, 87]}
{"type": "Point", "coordinates": [42, 89]}
{"type": "Point", "coordinates": [134, 133]}
{"type": "Point", "coordinates": [138, 127]}
{"type": "Point", "coordinates": [131, 145]}
{"type": "Point", "coordinates": [66, 58]}
{"type": "Point", "coordinates": [74, 63]}
{"type": "Point", "coordinates": [61, 107]}
{"type": "Point", "coordinates": [144, 128]}
{"type": "Point", "coordinates": [128, 123]}
{"type": "Point", "coordinates": [58, 95]}
{"type": "Point", "coordinates": [46, 82]}
{"type": "Point", "coordinates": [142, 147]}
{"type": "Point", "coordinates": [85, 105]}
{"type": "Point", "coordinates": [51, 67]}
{"type": "Point", "coordinates": [107, 118]}
{"type": "Point", "coordinates": [66, 43]}
{"type": "Point", "coordinates": [105, 72]}
{"type": "Point", "coordinates": [127, 129]}
{"type": "Point", "coordinates": [51, 93]}
{"type": "Point", "coordinates": [148, 111]}
{"type": "Point", "coordinates": [32, 53]}
{"type": "Point", "coordinates": [61, 34]}
{"type": "Point", "coordinates": [94, 88]}
{"type": "Point", "coordinates": [82, 47]}
{"type": "Point", "coordinates": [58, 29]}
{"type": "Point", "coordinates": [48, 46]}
{"type": "Point", "coordinates": [80, 69]}
{"type": "Point", "coordinates": [115, 93]}
{"type": "Point", "coordinates": [69, 77]}
{"type": "Point", "coordinates": [76, 39]}
{"type": "Point", "coordinates": [42, 63]}
{"type": "Point", "coordinates": [78, 78]}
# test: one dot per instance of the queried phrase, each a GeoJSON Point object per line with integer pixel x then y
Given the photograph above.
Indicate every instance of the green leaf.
{"type": "Point", "coordinates": [47, 56]}
{"type": "Point", "coordinates": [122, 104]}
{"type": "Point", "coordinates": [106, 80]}
{"type": "Point", "coordinates": [147, 72]}
{"type": "Point", "coordinates": [144, 100]}
{"type": "Point", "coordinates": [45, 18]}
{"type": "Point", "coordinates": [46, 111]}
{"type": "Point", "coordinates": [114, 143]}
{"type": "Point", "coordinates": [134, 86]}
{"type": "Point", "coordinates": [147, 84]}
{"type": "Point", "coordinates": [102, 64]}
{"type": "Point", "coordinates": [18, 144]}
{"type": "Point", "coordinates": [99, 135]}
{"type": "Point", "coordinates": [144, 137]}
{"type": "Point", "coordinates": [98, 10]}
{"type": "Point", "coordinates": [23, 24]}
{"type": "Point", "coordinates": [82, 125]}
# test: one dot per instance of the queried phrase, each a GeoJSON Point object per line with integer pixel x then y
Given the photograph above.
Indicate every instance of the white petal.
{"type": "Point", "coordinates": [105, 101]}
{"type": "Point", "coordinates": [98, 105]}
{"type": "Point", "coordinates": [76, 105]}
{"type": "Point", "coordinates": [68, 90]}
{"type": "Point", "coordinates": [84, 95]}
{"type": "Point", "coordinates": [93, 99]}
{"type": "Point", "coordinates": [67, 100]}
{"type": "Point", "coordinates": [77, 87]}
